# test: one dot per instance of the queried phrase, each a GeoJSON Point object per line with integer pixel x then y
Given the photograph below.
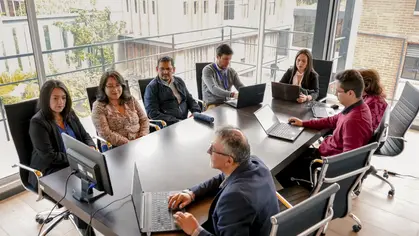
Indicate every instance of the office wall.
{"type": "Point", "coordinates": [388, 19]}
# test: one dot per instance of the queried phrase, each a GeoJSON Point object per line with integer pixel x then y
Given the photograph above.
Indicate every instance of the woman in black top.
{"type": "Point", "coordinates": [303, 75]}
{"type": "Point", "coordinates": [54, 117]}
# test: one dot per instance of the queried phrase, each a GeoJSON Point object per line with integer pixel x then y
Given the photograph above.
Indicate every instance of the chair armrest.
{"type": "Point", "coordinates": [162, 122]}
{"type": "Point", "coordinates": [322, 100]}
{"type": "Point", "coordinates": [317, 161]}
{"type": "Point", "coordinates": [38, 174]}
{"type": "Point", "coordinates": [102, 140]}
{"type": "Point", "coordinates": [204, 106]}
{"type": "Point", "coordinates": [155, 126]}
{"type": "Point", "coordinates": [314, 182]}
{"type": "Point", "coordinates": [99, 138]}
{"type": "Point", "coordinates": [283, 201]}
{"type": "Point", "coordinates": [401, 138]}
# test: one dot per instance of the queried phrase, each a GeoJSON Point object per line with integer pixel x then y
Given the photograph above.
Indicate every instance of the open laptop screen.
{"type": "Point", "coordinates": [266, 117]}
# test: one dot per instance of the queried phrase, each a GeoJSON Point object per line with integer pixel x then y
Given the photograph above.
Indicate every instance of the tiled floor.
{"type": "Point", "coordinates": [380, 216]}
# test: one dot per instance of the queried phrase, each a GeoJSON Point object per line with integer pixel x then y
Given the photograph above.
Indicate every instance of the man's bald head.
{"type": "Point", "coordinates": [235, 143]}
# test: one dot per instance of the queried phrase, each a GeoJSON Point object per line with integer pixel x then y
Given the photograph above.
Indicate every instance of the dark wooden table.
{"type": "Point", "coordinates": [175, 158]}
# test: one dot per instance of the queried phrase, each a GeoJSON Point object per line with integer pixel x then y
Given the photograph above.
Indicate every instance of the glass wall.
{"type": "Point", "coordinates": [18, 78]}
{"type": "Point", "coordinates": [289, 28]}
{"type": "Point", "coordinates": [386, 40]}
{"type": "Point", "coordinates": [81, 39]}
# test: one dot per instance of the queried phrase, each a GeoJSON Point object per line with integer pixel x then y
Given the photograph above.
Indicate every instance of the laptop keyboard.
{"type": "Point", "coordinates": [284, 130]}
{"type": "Point", "coordinates": [161, 216]}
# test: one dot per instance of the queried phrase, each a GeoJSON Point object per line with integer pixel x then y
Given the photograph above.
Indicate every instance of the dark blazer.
{"type": "Point", "coordinates": [244, 204]}
{"type": "Point", "coordinates": [161, 104]}
{"type": "Point", "coordinates": [310, 84]}
{"type": "Point", "coordinates": [48, 155]}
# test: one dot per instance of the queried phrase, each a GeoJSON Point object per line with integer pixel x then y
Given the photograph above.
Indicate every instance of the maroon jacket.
{"type": "Point", "coordinates": [352, 129]}
{"type": "Point", "coordinates": [377, 105]}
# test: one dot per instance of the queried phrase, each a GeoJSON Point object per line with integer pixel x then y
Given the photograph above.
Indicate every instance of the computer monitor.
{"type": "Point", "coordinates": [90, 166]}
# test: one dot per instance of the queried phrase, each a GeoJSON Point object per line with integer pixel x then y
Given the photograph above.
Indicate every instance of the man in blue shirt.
{"type": "Point", "coordinates": [166, 97]}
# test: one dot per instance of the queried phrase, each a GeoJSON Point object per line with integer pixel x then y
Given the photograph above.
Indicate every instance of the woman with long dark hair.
{"type": "Point", "coordinates": [55, 116]}
{"type": "Point", "coordinates": [374, 95]}
{"type": "Point", "coordinates": [117, 115]}
{"type": "Point", "coordinates": [302, 74]}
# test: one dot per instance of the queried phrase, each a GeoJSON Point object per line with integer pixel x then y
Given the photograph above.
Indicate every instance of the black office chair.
{"type": "Point", "coordinates": [18, 117]}
{"type": "Point", "coordinates": [308, 217]}
{"type": "Point", "coordinates": [394, 128]}
{"type": "Point", "coordinates": [379, 136]}
{"type": "Point", "coordinates": [401, 118]}
{"type": "Point", "coordinates": [345, 169]}
{"type": "Point", "coordinates": [324, 69]}
{"type": "Point", "coordinates": [198, 70]}
{"type": "Point", "coordinates": [143, 85]}
{"type": "Point", "coordinates": [157, 124]}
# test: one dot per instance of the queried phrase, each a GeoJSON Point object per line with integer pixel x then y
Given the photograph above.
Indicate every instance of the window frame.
{"type": "Point", "coordinates": [414, 57]}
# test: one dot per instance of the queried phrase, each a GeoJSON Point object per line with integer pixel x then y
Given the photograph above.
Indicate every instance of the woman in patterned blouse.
{"type": "Point", "coordinates": [117, 115]}
{"type": "Point", "coordinates": [374, 95]}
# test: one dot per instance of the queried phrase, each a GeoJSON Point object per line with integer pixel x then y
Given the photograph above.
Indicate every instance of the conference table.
{"type": "Point", "coordinates": [175, 158]}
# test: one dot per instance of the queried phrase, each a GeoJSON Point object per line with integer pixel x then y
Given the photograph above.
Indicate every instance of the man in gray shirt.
{"type": "Point", "coordinates": [218, 79]}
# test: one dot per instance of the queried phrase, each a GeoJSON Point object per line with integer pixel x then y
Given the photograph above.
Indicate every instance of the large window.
{"type": "Point", "coordinates": [411, 62]}
{"type": "Point", "coordinates": [185, 8]}
{"type": "Point", "coordinates": [229, 10]}
{"type": "Point", "coordinates": [78, 40]}
{"type": "Point", "coordinates": [18, 79]}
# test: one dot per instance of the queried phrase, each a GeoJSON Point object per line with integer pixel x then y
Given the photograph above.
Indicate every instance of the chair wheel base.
{"type": "Point", "coordinates": [356, 228]}
{"type": "Point", "coordinates": [391, 193]}
{"type": "Point", "coordinates": [39, 220]}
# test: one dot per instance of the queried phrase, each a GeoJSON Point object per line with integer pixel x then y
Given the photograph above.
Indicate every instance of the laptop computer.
{"type": "Point", "coordinates": [248, 96]}
{"type": "Point", "coordinates": [283, 91]}
{"type": "Point", "coordinates": [273, 127]}
{"type": "Point", "coordinates": [321, 110]}
{"type": "Point", "coordinates": [151, 208]}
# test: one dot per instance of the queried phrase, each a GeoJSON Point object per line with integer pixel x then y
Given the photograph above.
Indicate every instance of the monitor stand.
{"type": "Point", "coordinates": [87, 194]}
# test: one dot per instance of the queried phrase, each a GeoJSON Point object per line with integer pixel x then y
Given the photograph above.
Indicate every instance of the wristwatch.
{"type": "Point", "coordinates": [188, 192]}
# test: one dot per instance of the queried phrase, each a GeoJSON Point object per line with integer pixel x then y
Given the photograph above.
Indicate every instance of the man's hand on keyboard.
{"type": "Point", "coordinates": [295, 121]}
{"type": "Point", "coordinates": [186, 221]}
{"type": "Point", "coordinates": [179, 200]}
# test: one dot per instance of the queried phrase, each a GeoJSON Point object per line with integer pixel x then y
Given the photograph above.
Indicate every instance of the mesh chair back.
{"type": "Point", "coordinates": [405, 111]}
{"type": "Point", "coordinates": [308, 217]}
{"type": "Point", "coordinates": [345, 169]}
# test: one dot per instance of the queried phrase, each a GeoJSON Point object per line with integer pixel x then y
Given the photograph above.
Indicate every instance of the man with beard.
{"type": "Point", "coordinates": [166, 97]}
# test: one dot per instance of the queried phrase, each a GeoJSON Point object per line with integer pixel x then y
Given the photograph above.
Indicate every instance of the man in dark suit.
{"type": "Point", "coordinates": [245, 197]}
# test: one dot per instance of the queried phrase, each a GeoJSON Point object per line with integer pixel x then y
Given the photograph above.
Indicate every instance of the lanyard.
{"type": "Point", "coordinates": [223, 79]}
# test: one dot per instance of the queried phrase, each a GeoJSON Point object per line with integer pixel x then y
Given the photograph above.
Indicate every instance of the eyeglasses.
{"type": "Point", "coordinates": [211, 150]}
{"type": "Point", "coordinates": [113, 87]}
{"type": "Point", "coordinates": [165, 69]}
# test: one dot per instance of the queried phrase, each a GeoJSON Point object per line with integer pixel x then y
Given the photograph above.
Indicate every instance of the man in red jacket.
{"type": "Point", "coordinates": [352, 128]}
